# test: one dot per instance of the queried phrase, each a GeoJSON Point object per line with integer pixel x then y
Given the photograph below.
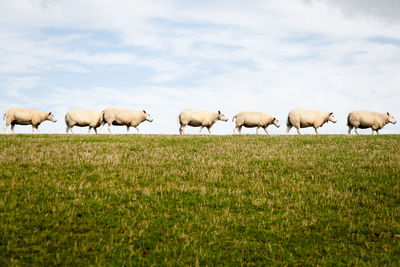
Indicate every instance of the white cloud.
{"type": "Point", "coordinates": [25, 82]}
{"type": "Point", "coordinates": [384, 10]}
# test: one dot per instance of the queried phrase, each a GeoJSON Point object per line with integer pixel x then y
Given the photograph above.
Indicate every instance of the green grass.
{"type": "Point", "coordinates": [199, 200]}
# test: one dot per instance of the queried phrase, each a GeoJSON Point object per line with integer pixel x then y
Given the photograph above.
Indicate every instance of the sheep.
{"type": "Point", "coordinates": [300, 118]}
{"type": "Point", "coordinates": [127, 117]}
{"type": "Point", "coordinates": [254, 119]}
{"type": "Point", "coordinates": [368, 119]}
{"type": "Point", "coordinates": [199, 118]}
{"type": "Point", "coordinates": [26, 116]}
{"type": "Point", "coordinates": [82, 118]}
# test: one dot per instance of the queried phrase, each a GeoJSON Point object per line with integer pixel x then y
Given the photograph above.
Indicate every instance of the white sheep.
{"type": "Point", "coordinates": [300, 118]}
{"type": "Point", "coordinates": [127, 117]}
{"type": "Point", "coordinates": [368, 119]}
{"type": "Point", "coordinates": [254, 119]}
{"type": "Point", "coordinates": [83, 118]}
{"type": "Point", "coordinates": [26, 116]}
{"type": "Point", "coordinates": [199, 118]}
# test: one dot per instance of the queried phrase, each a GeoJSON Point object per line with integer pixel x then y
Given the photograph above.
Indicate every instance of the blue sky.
{"type": "Point", "coordinates": [165, 56]}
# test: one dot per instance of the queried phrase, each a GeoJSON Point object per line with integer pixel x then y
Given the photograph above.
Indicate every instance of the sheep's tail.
{"type": "Point", "coordinates": [179, 119]}
{"type": "Point", "coordinates": [103, 118]}
{"type": "Point", "coordinates": [4, 116]}
{"type": "Point", "coordinates": [288, 122]}
{"type": "Point", "coordinates": [348, 120]}
{"type": "Point", "coordinates": [67, 120]}
{"type": "Point", "coordinates": [234, 117]}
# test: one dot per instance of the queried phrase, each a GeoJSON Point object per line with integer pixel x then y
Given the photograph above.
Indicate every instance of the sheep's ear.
{"type": "Point", "coordinates": [144, 111]}
{"type": "Point", "coordinates": [49, 113]}
{"type": "Point", "coordinates": [274, 119]}
{"type": "Point", "coordinates": [388, 113]}
{"type": "Point", "coordinates": [331, 113]}
{"type": "Point", "coordinates": [219, 112]}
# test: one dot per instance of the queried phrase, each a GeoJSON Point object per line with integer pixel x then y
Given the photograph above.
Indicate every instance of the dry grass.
{"type": "Point", "coordinates": [145, 199]}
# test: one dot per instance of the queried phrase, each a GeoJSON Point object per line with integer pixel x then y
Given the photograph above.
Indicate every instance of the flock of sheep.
{"type": "Point", "coordinates": [297, 118]}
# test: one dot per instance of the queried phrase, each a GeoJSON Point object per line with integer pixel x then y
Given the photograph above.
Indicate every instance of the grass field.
{"type": "Point", "coordinates": [199, 200]}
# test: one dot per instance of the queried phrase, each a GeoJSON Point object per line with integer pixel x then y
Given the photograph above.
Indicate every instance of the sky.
{"type": "Point", "coordinates": [166, 56]}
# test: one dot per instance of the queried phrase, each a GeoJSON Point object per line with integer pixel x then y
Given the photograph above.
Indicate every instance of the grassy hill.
{"type": "Point", "coordinates": [197, 200]}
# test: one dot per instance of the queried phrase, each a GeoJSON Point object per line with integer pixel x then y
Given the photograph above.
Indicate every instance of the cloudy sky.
{"type": "Point", "coordinates": [165, 56]}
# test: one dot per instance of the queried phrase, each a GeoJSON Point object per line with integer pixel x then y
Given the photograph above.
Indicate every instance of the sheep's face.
{"type": "Point", "coordinates": [221, 116]}
{"type": "Point", "coordinates": [332, 118]}
{"type": "Point", "coordinates": [276, 123]}
{"type": "Point", "coordinates": [391, 118]}
{"type": "Point", "coordinates": [148, 117]}
{"type": "Point", "coordinates": [51, 117]}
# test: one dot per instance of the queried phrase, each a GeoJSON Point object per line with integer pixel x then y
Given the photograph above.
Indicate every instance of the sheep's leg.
{"type": "Point", "coordinates": [288, 129]}
{"type": "Point", "coordinates": [208, 128]}
{"type": "Point", "coordinates": [109, 128]}
{"type": "Point", "coordinates": [12, 128]}
{"type": "Point", "coordinates": [37, 129]}
{"type": "Point", "coordinates": [137, 129]}
{"type": "Point", "coordinates": [127, 129]}
{"type": "Point", "coordinates": [101, 126]}
{"type": "Point", "coordinates": [95, 130]}
{"type": "Point", "coordinates": [265, 129]}
{"type": "Point", "coordinates": [69, 128]}
{"type": "Point", "coordinates": [6, 126]}
{"type": "Point", "coordinates": [316, 130]}
{"type": "Point", "coordinates": [377, 131]}
{"type": "Point", "coordinates": [240, 129]}
{"type": "Point", "coordinates": [258, 128]}
{"type": "Point", "coordinates": [33, 129]}
{"type": "Point", "coordinates": [181, 129]}
{"type": "Point", "coordinates": [356, 130]}
{"type": "Point", "coordinates": [90, 128]}
{"type": "Point", "coordinates": [201, 129]}
{"type": "Point", "coordinates": [349, 131]}
{"type": "Point", "coordinates": [298, 130]}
